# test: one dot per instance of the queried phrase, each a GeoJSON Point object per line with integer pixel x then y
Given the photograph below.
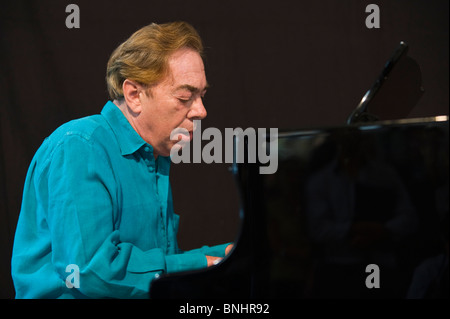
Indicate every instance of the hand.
{"type": "Point", "coordinates": [213, 260]}
{"type": "Point", "coordinates": [228, 249]}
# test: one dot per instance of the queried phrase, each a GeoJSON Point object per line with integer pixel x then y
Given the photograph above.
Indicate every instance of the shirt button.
{"type": "Point", "coordinates": [147, 149]}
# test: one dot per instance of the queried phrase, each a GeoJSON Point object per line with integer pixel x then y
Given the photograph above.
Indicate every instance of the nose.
{"type": "Point", "coordinates": [197, 111]}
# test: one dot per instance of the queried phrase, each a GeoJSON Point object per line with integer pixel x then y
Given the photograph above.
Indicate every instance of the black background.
{"type": "Point", "coordinates": [285, 64]}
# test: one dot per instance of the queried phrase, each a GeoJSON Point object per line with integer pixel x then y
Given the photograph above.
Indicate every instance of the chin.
{"type": "Point", "coordinates": [166, 151]}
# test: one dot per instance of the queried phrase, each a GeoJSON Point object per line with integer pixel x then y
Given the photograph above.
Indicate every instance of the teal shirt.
{"type": "Point", "coordinates": [95, 197]}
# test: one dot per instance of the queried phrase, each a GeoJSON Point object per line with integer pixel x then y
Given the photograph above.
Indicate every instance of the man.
{"type": "Point", "coordinates": [97, 217]}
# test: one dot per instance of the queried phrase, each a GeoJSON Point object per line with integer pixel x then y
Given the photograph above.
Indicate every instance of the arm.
{"type": "Point", "coordinates": [82, 216]}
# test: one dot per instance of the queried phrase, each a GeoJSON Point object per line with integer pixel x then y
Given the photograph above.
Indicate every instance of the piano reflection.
{"type": "Point", "coordinates": [355, 211]}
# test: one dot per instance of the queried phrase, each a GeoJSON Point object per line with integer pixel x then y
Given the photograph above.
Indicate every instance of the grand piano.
{"type": "Point", "coordinates": [354, 211]}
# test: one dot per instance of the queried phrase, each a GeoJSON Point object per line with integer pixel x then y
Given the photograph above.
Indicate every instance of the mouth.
{"type": "Point", "coordinates": [186, 136]}
{"type": "Point", "coordinates": [181, 135]}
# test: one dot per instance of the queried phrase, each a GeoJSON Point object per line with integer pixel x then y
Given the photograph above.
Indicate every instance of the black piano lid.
{"type": "Point", "coordinates": [279, 255]}
{"type": "Point", "coordinates": [395, 92]}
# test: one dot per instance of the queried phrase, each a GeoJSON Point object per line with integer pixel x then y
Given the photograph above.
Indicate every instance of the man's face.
{"type": "Point", "coordinates": [175, 102]}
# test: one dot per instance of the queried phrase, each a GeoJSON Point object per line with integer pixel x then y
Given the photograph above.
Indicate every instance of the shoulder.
{"type": "Point", "coordinates": [86, 128]}
{"type": "Point", "coordinates": [81, 135]}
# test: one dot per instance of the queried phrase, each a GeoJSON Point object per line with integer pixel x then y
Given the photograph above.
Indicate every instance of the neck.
{"type": "Point", "coordinates": [132, 119]}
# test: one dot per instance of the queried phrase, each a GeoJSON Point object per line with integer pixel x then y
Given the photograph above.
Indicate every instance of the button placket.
{"type": "Point", "coordinates": [151, 164]}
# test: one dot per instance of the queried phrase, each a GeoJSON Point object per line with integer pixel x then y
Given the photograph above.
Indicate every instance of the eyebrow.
{"type": "Point", "coordinates": [191, 88]}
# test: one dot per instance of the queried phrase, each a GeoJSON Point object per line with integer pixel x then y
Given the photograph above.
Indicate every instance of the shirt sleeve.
{"type": "Point", "coordinates": [193, 259]}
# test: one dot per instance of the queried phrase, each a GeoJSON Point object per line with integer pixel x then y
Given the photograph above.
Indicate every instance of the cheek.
{"type": "Point", "coordinates": [179, 119]}
{"type": "Point", "coordinates": [172, 125]}
{"type": "Point", "coordinates": [168, 116]}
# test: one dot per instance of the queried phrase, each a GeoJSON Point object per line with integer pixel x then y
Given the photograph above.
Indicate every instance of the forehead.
{"type": "Point", "coordinates": [186, 68]}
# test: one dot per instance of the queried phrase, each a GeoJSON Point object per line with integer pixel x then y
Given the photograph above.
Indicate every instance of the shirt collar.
{"type": "Point", "coordinates": [128, 139]}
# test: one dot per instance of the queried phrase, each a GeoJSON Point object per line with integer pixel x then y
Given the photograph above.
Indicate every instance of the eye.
{"type": "Point", "coordinates": [185, 100]}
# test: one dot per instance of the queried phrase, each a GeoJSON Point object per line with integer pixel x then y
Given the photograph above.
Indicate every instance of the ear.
{"type": "Point", "coordinates": [131, 93]}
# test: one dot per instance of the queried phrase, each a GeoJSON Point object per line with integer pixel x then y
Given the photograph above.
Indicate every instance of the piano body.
{"type": "Point", "coordinates": [355, 211]}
